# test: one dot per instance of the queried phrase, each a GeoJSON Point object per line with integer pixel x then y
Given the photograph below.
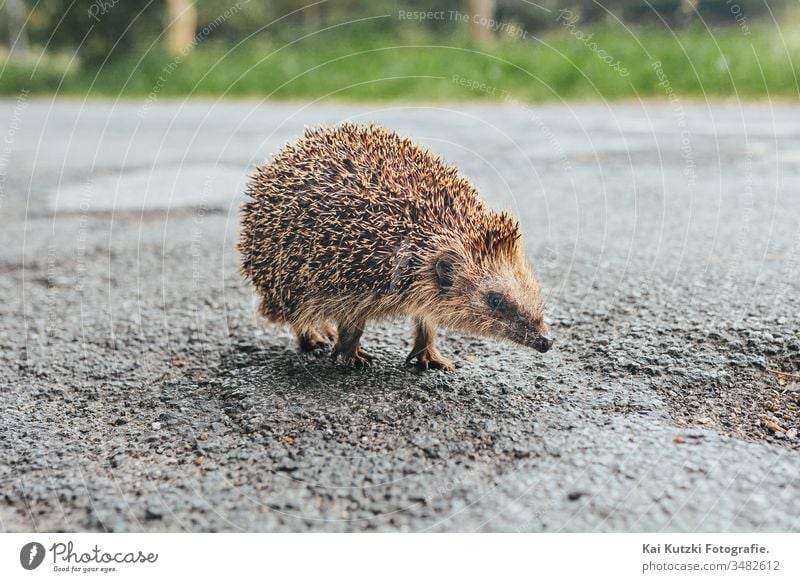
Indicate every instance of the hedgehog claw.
{"type": "Point", "coordinates": [320, 351]}
{"type": "Point", "coordinates": [430, 359]}
{"type": "Point", "coordinates": [358, 362]}
{"type": "Point", "coordinates": [313, 343]}
{"type": "Point", "coordinates": [358, 358]}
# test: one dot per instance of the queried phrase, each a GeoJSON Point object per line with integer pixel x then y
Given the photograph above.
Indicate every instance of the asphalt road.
{"type": "Point", "coordinates": [139, 393]}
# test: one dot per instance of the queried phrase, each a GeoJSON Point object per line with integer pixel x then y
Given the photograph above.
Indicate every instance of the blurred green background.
{"type": "Point", "coordinates": [401, 49]}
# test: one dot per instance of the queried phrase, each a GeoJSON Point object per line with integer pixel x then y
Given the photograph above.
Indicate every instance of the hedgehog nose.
{"type": "Point", "coordinates": [542, 343]}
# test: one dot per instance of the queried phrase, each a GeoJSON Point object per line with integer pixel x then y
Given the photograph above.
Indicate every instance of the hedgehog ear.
{"type": "Point", "coordinates": [445, 268]}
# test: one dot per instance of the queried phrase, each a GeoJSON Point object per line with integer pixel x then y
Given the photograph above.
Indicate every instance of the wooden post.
{"type": "Point", "coordinates": [480, 11]}
{"type": "Point", "coordinates": [686, 11]}
{"type": "Point", "coordinates": [182, 16]}
{"type": "Point", "coordinates": [19, 49]}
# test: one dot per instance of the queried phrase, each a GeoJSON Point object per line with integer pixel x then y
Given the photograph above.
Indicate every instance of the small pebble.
{"type": "Point", "coordinates": [774, 427]}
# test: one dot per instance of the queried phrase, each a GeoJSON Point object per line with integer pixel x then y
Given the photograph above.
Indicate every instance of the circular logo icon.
{"type": "Point", "coordinates": [31, 555]}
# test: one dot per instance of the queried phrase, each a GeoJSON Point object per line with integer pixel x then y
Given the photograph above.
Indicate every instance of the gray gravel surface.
{"type": "Point", "coordinates": [139, 393]}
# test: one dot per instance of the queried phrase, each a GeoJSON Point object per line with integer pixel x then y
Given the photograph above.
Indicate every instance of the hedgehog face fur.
{"type": "Point", "coordinates": [497, 296]}
{"type": "Point", "coordinates": [355, 223]}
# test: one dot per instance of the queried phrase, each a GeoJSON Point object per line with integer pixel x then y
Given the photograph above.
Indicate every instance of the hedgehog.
{"type": "Point", "coordinates": [354, 223]}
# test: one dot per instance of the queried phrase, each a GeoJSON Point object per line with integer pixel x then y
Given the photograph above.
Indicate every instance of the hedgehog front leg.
{"type": "Point", "coordinates": [348, 345]}
{"type": "Point", "coordinates": [424, 350]}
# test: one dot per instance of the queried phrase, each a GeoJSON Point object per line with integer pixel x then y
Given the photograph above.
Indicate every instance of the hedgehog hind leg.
{"type": "Point", "coordinates": [424, 350]}
{"type": "Point", "coordinates": [315, 339]}
{"type": "Point", "coordinates": [348, 345]}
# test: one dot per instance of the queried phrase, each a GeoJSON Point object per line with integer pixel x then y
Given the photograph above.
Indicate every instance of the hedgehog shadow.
{"type": "Point", "coordinates": [275, 366]}
{"type": "Point", "coordinates": [277, 361]}
{"type": "Point", "coordinates": [273, 387]}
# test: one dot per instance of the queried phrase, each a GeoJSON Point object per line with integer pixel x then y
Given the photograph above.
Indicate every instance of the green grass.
{"type": "Point", "coordinates": [334, 65]}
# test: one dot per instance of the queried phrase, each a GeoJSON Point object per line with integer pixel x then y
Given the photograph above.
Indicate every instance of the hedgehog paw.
{"type": "Point", "coordinates": [313, 342]}
{"type": "Point", "coordinates": [329, 333]}
{"type": "Point", "coordinates": [357, 361]}
{"type": "Point", "coordinates": [430, 358]}
{"type": "Point", "coordinates": [364, 355]}
{"type": "Point", "coordinates": [357, 358]}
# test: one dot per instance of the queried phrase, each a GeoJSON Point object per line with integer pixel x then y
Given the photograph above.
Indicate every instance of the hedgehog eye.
{"type": "Point", "coordinates": [496, 301]}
